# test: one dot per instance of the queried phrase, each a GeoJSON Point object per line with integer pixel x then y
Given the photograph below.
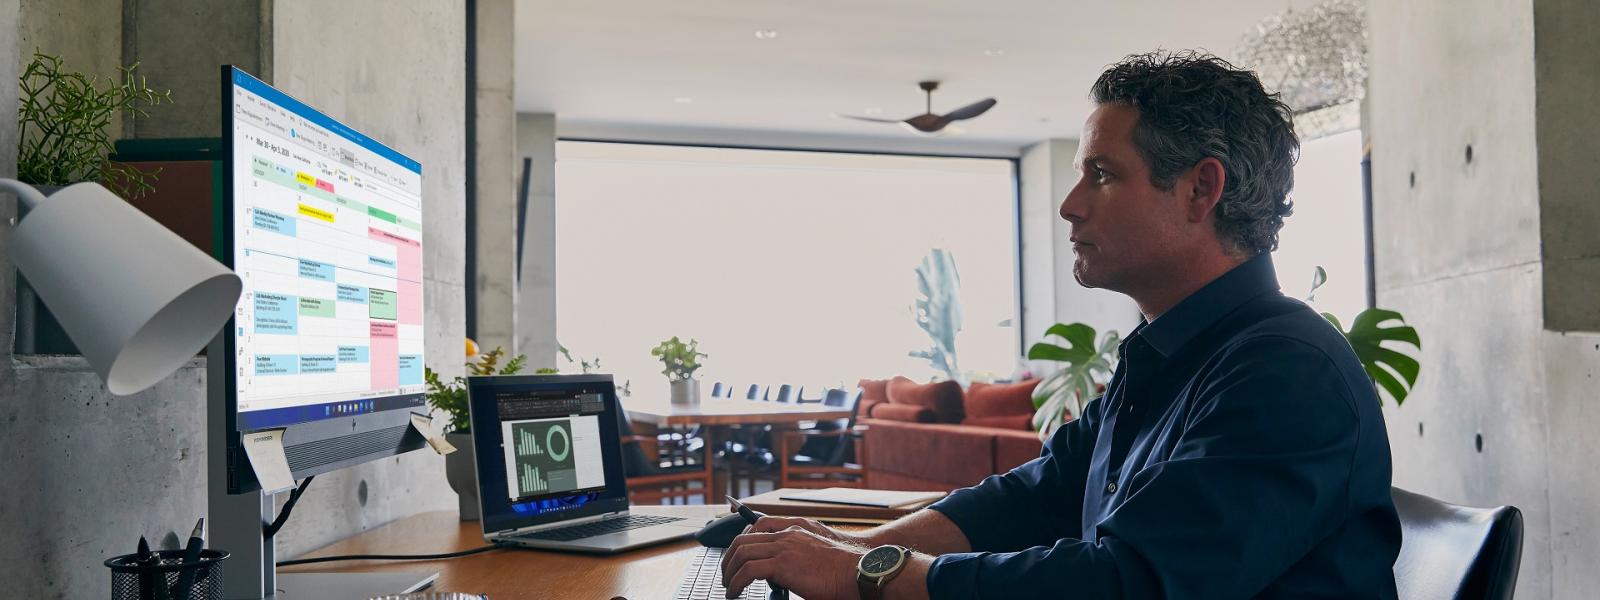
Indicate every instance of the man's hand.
{"type": "Point", "coordinates": [776, 524]}
{"type": "Point", "coordinates": [795, 557]}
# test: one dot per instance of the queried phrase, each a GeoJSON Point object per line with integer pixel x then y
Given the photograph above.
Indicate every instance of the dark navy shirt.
{"type": "Point", "coordinates": [1238, 452]}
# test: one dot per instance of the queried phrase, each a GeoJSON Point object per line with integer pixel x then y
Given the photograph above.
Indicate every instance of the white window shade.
{"type": "Point", "coordinates": [787, 266]}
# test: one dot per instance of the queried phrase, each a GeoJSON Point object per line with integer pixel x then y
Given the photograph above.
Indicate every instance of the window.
{"type": "Point", "coordinates": [1328, 227]}
{"type": "Point", "coordinates": [787, 266]}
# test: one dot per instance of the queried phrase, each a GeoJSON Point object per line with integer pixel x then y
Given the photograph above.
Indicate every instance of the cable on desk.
{"type": "Point", "coordinates": [322, 559]}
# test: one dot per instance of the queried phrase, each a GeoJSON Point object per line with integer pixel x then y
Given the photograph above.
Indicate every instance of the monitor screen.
{"type": "Point", "coordinates": [327, 236]}
{"type": "Point", "coordinates": [548, 446]}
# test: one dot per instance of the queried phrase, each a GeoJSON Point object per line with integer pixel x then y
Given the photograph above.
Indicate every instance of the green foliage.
{"type": "Point", "coordinates": [1086, 366]}
{"type": "Point", "coordinates": [1392, 372]}
{"type": "Point", "coordinates": [62, 119]}
{"type": "Point", "coordinates": [681, 360]}
{"type": "Point", "coordinates": [451, 397]}
{"type": "Point", "coordinates": [938, 310]}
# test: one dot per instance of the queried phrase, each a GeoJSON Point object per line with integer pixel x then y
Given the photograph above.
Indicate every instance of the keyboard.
{"type": "Point", "coordinates": [702, 580]}
{"type": "Point", "coordinates": [597, 528]}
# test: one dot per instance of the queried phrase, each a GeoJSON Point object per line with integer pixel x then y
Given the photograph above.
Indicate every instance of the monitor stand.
{"type": "Point", "coordinates": [237, 525]}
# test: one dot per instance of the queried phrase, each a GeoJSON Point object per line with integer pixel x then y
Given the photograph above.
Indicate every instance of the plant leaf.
{"type": "Point", "coordinates": [1366, 336]}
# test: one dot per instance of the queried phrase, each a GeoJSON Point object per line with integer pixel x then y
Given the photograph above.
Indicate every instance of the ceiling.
{"type": "Point", "coordinates": [695, 71]}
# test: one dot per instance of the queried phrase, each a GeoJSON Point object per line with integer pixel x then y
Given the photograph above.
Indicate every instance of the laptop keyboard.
{"type": "Point", "coordinates": [596, 528]}
{"type": "Point", "coordinates": [702, 580]}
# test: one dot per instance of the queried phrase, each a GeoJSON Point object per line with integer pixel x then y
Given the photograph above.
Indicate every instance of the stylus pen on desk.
{"type": "Point", "coordinates": [751, 516]}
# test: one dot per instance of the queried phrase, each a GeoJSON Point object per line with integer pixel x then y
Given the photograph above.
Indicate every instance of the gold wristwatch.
{"type": "Point", "coordinates": [877, 567]}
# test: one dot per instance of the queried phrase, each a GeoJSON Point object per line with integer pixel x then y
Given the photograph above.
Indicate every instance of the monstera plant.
{"type": "Point", "coordinates": [1392, 372]}
{"type": "Point", "coordinates": [1086, 365]}
{"type": "Point", "coordinates": [938, 310]}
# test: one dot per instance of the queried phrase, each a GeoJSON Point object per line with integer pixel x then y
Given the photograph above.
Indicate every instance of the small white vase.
{"type": "Point", "coordinates": [686, 392]}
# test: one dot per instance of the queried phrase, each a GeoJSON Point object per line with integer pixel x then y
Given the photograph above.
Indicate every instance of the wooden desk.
{"type": "Point", "coordinates": [722, 411]}
{"type": "Point", "coordinates": [645, 574]}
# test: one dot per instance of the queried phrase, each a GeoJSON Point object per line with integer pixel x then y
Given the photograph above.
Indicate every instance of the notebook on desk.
{"type": "Point", "coordinates": [848, 506]}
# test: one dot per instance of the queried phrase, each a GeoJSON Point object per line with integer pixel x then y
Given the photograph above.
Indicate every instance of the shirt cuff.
{"type": "Point", "coordinates": [954, 576]}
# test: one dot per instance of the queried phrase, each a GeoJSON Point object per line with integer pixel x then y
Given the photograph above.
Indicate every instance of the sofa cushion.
{"type": "Point", "coordinates": [958, 455]}
{"type": "Point", "coordinates": [1021, 422]}
{"type": "Point", "coordinates": [874, 390]}
{"type": "Point", "coordinates": [903, 412]}
{"type": "Point", "coordinates": [864, 409]}
{"type": "Point", "coordinates": [999, 399]}
{"type": "Point", "coordinates": [943, 397]}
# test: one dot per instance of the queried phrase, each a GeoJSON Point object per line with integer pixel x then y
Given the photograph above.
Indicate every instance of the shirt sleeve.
{"type": "Point", "coordinates": [1259, 477]}
{"type": "Point", "coordinates": [1028, 505]}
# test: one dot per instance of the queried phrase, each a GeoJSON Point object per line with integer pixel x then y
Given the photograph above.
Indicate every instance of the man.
{"type": "Point", "coordinates": [1239, 450]}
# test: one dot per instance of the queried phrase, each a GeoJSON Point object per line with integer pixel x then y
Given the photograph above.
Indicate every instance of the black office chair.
{"type": "Point", "coordinates": [756, 392]}
{"type": "Point", "coordinates": [655, 474]}
{"type": "Point", "coordinates": [1449, 551]}
{"type": "Point", "coordinates": [719, 391]}
{"type": "Point", "coordinates": [785, 394]}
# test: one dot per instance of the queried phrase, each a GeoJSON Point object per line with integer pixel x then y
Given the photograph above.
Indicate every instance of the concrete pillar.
{"type": "Point", "coordinates": [536, 306]}
{"type": "Point", "coordinates": [1567, 59]}
{"type": "Point", "coordinates": [495, 172]}
{"type": "Point", "coordinates": [181, 45]}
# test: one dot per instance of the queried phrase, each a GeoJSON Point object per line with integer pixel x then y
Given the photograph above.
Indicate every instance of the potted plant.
{"type": "Point", "coordinates": [1086, 369]}
{"type": "Point", "coordinates": [450, 398]}
{"type": "Point", "coordinates": [62, 118]}
{"type": "Point", "coordinates": [938, 311]}
{"type": "Point", "coordinates": [681, 361]}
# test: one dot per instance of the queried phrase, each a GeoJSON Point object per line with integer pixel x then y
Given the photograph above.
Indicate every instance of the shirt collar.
{"type": "Point", "coordinates": [1170, 331]}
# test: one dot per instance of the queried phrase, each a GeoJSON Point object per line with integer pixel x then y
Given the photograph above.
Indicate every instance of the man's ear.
{"type": "Point", "coordinates": [1209, 180]}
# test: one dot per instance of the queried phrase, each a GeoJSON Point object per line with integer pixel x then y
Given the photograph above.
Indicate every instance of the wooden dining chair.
{"type": "Point", "coordinates": [816, 463]}
{"type": "Point", "coordinates": [655, 474]}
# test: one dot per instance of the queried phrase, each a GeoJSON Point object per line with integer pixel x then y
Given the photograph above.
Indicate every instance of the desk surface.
{"type": "Point", "coordinates": [644, 574]}
{"type": "Point", "coordinates": [722, 411]}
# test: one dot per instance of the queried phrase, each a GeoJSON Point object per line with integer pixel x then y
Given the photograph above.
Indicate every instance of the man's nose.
{"type": "Point", "coordinates": [1073, 208]}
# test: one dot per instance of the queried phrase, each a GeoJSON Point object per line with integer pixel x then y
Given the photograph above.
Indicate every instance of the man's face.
{"type": "Point", "coordinates": [1126, 233]}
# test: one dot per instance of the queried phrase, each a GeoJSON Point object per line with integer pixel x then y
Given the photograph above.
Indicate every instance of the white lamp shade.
{"type": "Point", "coordinates": [138, 300]}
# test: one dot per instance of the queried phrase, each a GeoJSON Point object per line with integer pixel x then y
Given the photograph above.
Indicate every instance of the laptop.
{"type": "Point", "coordinates": [548, 450]}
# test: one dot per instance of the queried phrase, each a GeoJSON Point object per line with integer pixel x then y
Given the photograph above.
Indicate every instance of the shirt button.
{"type": "Point", "coordinates": [1111, 488]}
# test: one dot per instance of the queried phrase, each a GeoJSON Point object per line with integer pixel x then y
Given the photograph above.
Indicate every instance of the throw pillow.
{"type": "Point", "coordinates": [1000, 399]}
{"type": "Point", "coordinates": [903, 412]}
{"type": "Point", "coordinates": [943, 398]}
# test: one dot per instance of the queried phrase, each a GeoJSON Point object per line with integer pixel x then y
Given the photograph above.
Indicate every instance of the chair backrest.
{"type": "Point", "coordinates": [851, 402]}
{"type": "Point", "coordinates": [756, 392]}
{"type": "Point", "coordinates": [800, 397]}
{"type": "Point", "coordinates": [785, 394]}
{"type": "Point", "coordinates": [718, 390]}
{"type": "Point", "coordinates": [634, 460]}
{"type": "Point", "coordinates": [1450, 551]}
{"type": "Point", "coordinates": [835, 397]}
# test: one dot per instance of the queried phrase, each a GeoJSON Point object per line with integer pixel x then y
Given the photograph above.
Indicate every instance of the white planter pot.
{"type": "Point", "coordinates": [686, 392]}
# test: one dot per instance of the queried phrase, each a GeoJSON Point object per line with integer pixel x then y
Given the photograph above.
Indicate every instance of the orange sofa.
{"type": "Point", "coordinates": [939, 437]}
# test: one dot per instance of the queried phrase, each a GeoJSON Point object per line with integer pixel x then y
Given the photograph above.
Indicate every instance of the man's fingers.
{"type": "Point", "coordinates": [765, 568]}
{"type": "Point", "coordinates": [744, 540]}
{"type": "Point", "coordinates": [746, 553]}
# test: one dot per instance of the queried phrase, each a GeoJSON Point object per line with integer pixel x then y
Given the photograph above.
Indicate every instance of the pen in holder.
{"type": "Point", "coordinates": [163, 577]}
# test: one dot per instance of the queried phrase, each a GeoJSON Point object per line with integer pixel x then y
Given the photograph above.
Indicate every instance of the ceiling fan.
{"type": "Point", "coordinates": [929, 123]}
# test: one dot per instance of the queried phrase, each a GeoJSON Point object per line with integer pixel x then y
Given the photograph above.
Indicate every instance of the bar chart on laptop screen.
{"type": "Point", "coordinates": [552, 456]}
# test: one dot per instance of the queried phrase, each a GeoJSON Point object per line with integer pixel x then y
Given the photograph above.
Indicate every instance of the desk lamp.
{"type": "Point", "coordinates": [138, 300]}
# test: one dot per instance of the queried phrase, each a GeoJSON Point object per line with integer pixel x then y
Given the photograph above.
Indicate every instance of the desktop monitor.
{"type": "Point", "coordinates": [324, 226]}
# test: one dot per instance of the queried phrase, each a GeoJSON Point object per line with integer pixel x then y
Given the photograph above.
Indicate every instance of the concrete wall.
{"type": "Point", "coordinates": [1461, 251]}
{"type": "Point", "coordinates": [88, 473]}
{"type": "Point", "coordinates": [536, 295]}
{"type": "Point", "coordinates": [495, 179]}
{"type": "Point", "coordinates": [1046, 176]}
{"type": "Point", "coordinates": [93, 44]}
{"type": "Point", "coordinates": [180, 45]}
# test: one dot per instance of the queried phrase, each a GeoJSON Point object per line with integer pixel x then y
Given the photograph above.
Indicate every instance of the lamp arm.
{"type": "Point", "coordinates": [29, 196]}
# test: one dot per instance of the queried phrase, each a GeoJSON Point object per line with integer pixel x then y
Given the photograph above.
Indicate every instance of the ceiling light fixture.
{"type": "Point", "coordinates": [766, 34]}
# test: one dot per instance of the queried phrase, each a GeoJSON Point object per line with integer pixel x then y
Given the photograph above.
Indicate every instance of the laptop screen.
{"type": "Point", "coordinates": [547, 447]}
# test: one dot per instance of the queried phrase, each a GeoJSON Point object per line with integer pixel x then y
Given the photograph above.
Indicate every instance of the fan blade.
{"type": "Point", "coordinates": [971, 110]}
{"type": "Point", "coordinates": [867, 119]}
{"type": "Point", "coordinates": [928, 123]}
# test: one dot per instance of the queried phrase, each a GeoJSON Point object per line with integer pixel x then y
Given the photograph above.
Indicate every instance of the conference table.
{"type": "Point", "coordinates": [717, 415]}
{"type": "Point", "coordinates": [520, 574]}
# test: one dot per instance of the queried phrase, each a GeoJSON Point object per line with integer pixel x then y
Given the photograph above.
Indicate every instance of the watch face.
{"type": "Point", "coordinates": [880, 560]}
